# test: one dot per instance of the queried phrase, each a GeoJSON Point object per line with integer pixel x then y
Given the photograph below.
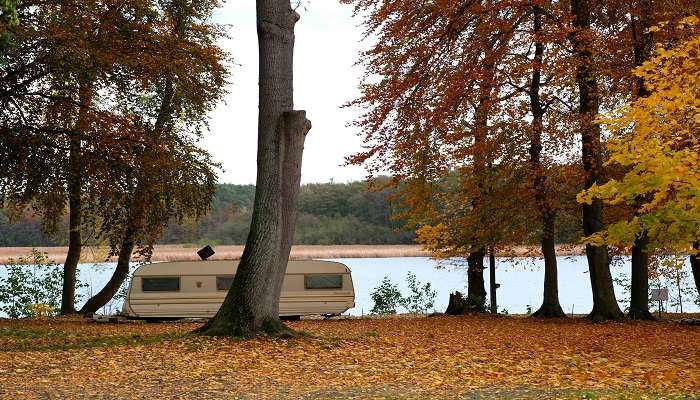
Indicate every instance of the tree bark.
{"type": "Point", "coordinates": [476, 290]}
{"type": "Point", "coordinates": [121, 272]}
{"type": "Point", "coordinates": [75, 187]}
{"type": "Point", "coordinates": [604, 303]}
{"type": "Point", "coordinates": [550, 307]}
{"type": "Point", "coordinates": [476, 286]}
{"type": "Point", "coordinates": [695, 265]}
{"type": "Point", "coordinates": [642, 47]}
{"type": "Point", "coordinates": [252, 304]}
{"type": "Point", "coordinates": [70, 266]}
{"type": "Point", "coordinates": [458, 305]}
{"type": "Point", "coordinates": [639, 291]}
{"type": "Point", "coordinates": [493, 286]}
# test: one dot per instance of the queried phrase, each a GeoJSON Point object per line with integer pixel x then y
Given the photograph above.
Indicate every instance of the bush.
{"type": "Point", "coordinates": [386, 297]}
{"type": "Point", "coordinates": [421, 299]}
{"type": "Point", "coordinates": [32, 287]}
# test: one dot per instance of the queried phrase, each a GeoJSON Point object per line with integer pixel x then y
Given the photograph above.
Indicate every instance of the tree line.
{"type": "Point", "coordinates": [499, 119]}
{"type": "Point", "coordinates": [329, 214]}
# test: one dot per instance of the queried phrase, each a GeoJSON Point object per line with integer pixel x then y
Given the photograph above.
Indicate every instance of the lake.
{"type": "Point", "coordinates": [520, 279]}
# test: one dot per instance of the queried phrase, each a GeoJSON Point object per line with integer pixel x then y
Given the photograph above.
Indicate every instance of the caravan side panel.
{"type": "Point", "coordinates": [189, 290]}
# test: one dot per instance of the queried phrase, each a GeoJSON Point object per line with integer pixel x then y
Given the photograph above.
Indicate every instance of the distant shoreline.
{"type": "Point", "coordinates": [186, 252]}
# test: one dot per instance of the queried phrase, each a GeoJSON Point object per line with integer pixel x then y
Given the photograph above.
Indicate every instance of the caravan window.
{"type": "Point", "coordinates": [170, 284]}
{"type": "Point", "coordinates": [224, 282]}
{"type": "Point", "coordinates": [323, 281]}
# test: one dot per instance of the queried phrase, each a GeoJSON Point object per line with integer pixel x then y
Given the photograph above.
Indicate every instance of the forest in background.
{"type": "Point", "coordinates": [329, 213]}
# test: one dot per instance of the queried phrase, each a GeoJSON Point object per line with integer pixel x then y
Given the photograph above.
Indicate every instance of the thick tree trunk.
{"type": "Point", "coordinates": [642, 47]}
{"type": "Point", "coordinates": [695, 265]}
{"type": "Point", "coordinates": [75, 188]}
{"type": "Point", "coordinates": [493, 286]}
{"type": "Point", "coordinates": [639, 292]}
{"type": "Point", "coordinates": [476, 290]}
{"type": "Point", "coordinates": [121, 272]}
{"type": "Point", "coordinates": [252, 304]}
{"type": "Point", "coordinates": [604, 303]}
{"type": "Point", "coordinates": [550, 307]}
{"type": "Point", "coordinates": [476, 286]}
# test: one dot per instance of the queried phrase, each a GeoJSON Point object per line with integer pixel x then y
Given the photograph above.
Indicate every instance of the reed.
{"type": "Point", "coordinates": [188, 252]}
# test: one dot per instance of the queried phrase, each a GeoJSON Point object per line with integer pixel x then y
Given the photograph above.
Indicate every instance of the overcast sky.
{"type": "Point", "coordinates": [327, 44]}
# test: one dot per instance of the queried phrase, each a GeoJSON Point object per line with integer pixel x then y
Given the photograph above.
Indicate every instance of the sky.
{"type": "Point", "coordinates": [327, 45]}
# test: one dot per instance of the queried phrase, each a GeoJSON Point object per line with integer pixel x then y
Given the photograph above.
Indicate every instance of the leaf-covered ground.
{"type": "Point", "coordinates": [441, 357]}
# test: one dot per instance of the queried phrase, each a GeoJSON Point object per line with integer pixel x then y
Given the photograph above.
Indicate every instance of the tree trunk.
{"type": "Point", "coordinates": [476, 286]}
{"type": "Point", "coordinates": [604, 303]}
{"type": "Point", "coordinates": [695, 265]}
{"type": "Point", "coordinates": [493, 286]}
{"type": "Point", "coordinates": [121, 272]}
{"type": "Point", "coordinates": [74, 223]}
{"type": "Point", "coordinates": [476, 290]}
{"type": "Point", "coordinates": [639, 292]}
{"type": "Point", "coordinates": [550, 307]}
{"type": "Point", "coordinates": [252, 304]}
{"type": "Point", "coordinates": [75, 187]}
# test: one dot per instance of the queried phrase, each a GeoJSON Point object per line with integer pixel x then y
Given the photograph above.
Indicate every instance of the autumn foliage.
{"type": "Point", "coordinates": [657, 140]}
{"type": "Point", "coordinates": [486, 115]}
{"type": "Point", "coordinates": [443, 357]}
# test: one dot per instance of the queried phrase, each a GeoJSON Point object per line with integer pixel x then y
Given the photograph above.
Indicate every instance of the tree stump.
{"type": "Point", "coordinates": [460, 305]}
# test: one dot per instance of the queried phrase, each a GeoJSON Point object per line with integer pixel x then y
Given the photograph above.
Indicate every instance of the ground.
{"type": "Point", "coordinates": [472, 357]}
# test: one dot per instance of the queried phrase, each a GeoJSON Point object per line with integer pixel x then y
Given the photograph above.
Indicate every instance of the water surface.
{"type": "Point", "coordinates": [520, 279]}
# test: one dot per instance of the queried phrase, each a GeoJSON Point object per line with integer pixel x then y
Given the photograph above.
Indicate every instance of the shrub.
{"type": "Point", "coordinates": [386, 297]}
{"type": "Point", "coordinates": [32, 287]}
{"type": "Point", "coordinates": [421, 299]}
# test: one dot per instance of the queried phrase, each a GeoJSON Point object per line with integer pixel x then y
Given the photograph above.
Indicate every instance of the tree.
{"type": "Point", "coordinates": [8, 18]}
{"type": "Point", "coordinates": [604, 303]}
{"type": "Point", "coordinates": [252, 303]}
{"type": "Point", "coordinates": [167, 175]}
{"type": "Point", "coordinates": [58, 62]}
{"type": "Point", "coordinates": [695, 264]}
{"type": "Point", "coordinates": [656, 139]}
{"type": "Point", "coordinates": [81, 114]}
{"type": "Point", "coordinates": [642, 49]}
{"type": "Point", "coordinates": [433, 120]}
{"type": "Point", "coordinates": [550, 304]}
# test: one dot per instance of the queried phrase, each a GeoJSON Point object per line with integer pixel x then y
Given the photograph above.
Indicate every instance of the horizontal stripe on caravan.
{"type": "Point", "coordinates": [139, 275]}
{"type": "Point", "coordinates": [287, 309]}
{"type": "Point", "coordinates": [180, 300]}
{"type": "Point", "coordinates": [305, 308]}
{"type": "Point", "coordinates": [209, 314]}
{"type": "Point", "coordinates": [221, 295]}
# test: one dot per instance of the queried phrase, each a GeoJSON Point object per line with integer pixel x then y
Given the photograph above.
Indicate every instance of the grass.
{"type": "Point", "coordinates": [18, 339]}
